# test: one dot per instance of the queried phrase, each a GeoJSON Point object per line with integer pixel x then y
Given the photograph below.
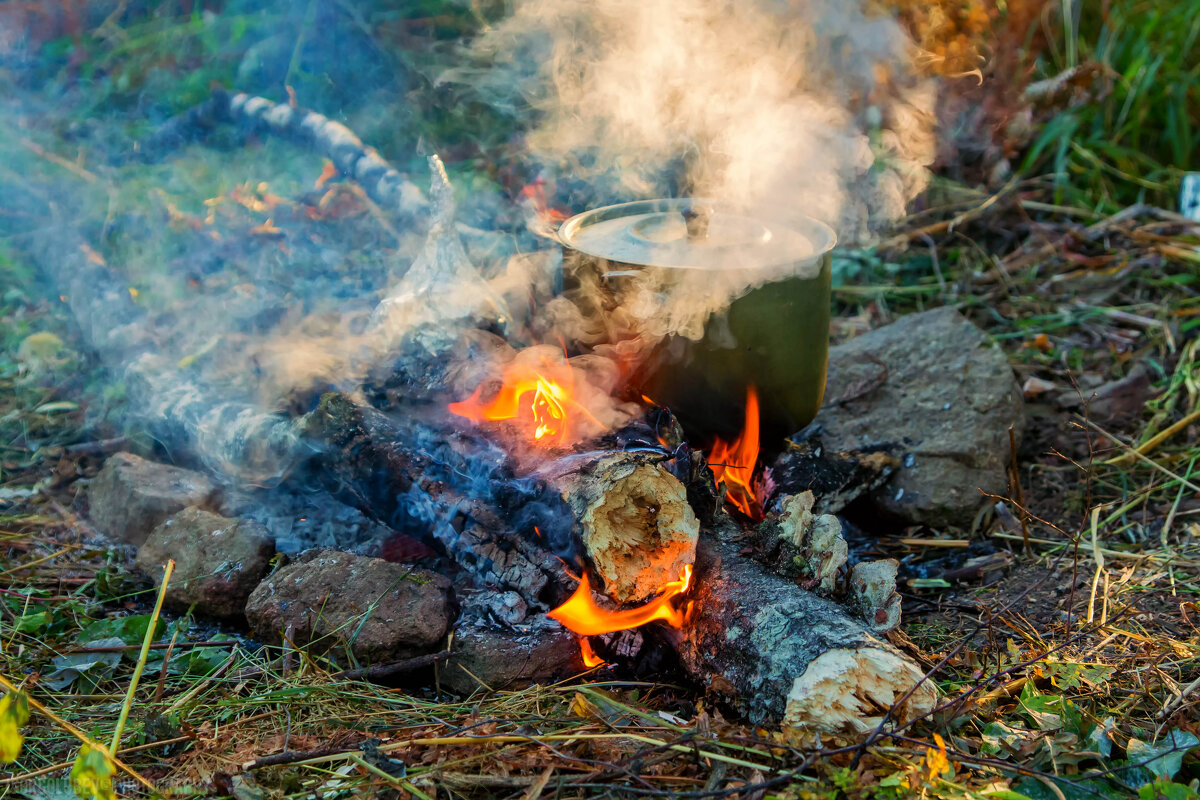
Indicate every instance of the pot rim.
{"type": "Point", "coordinates": [820, 235]}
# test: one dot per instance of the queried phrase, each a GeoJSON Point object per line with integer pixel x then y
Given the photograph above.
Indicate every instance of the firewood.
{"type": "Point", "coordinates": [835, 478]}
{"type": "Point", "coordinates": [798, 544]}
{"type": "Point", "coordinates": [369, 460]}
{"type": "Point", "coordinates": [779, 653]}
{"type": "Point", "coordinates": [636, 527]}
{"type": "Point", "coordinates": [381, 182]}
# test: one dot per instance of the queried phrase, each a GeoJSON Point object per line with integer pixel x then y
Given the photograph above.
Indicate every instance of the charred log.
{"type": "Point", "coordinates": [362, 453]}
{"type": "Point", "coordinates": [835, 478]}
{"type": "Point", "coordinates": [367, 459]}
{"type": "Point", "coordinates": [779, 653]}
{"type": "Point", "coordinates": [624, 511]}
{"type": "Point", "coordinates": [230, 436]}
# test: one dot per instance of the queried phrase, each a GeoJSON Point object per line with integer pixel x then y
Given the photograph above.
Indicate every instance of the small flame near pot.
{"type": "Point", "coordinates": [733, 464]}
{"type": "Point", "coordinates": [538, 399]}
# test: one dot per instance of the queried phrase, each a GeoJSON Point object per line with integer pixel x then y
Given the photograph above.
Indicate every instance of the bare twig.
{"type": "Point", "coordinates": [381, 671]}
{"type": "Point", "coordinates": [1016, 476]}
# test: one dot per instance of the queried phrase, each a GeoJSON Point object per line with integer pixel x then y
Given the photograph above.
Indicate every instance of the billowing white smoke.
{"type": "Point", "coordinates": [790, 107]}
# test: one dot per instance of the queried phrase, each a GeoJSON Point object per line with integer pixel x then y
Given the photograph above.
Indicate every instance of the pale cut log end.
{"type": "Point", "coordinates": [847, 691]}
{"type": "Point", "coordinates": [638, 530]}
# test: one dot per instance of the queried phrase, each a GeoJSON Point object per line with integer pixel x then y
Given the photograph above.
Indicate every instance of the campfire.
{"type": "Point", "coordinates": [639, 524]}
{"type": "Point", "coordinates": [582, 441]}
{"type": "Point", "coordinates": [702, 400]}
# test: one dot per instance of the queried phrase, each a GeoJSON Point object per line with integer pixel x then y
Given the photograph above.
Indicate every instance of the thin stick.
{"type": "Point", "coordinates": [137, 748]}
{"type": "Point", "coordinates": [1138, 455]}
{"type": "Point", "coordinates": [395, 668]}
{"type": "Point", "coordinates": [141, 662]}
{"type": "Point", "coordinates": [162, 675]}
{"type": "Point", "coordinates": [1016, 476]}
{"type": "Point", "coordinates": [97, 448]}
{"type": "Point", "coordinates": [1170, 560]}
{"type": "Point", "coordinates": [292, 756]}
{"type": "Point", "coordinates": [124, 648]}
{"type": "Point", "coordinates": [36, 562]}
{"type": "Point", "coordinates": [90, 177]}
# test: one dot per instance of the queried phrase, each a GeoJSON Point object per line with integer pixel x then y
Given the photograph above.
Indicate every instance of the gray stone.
{"type": "Point", "coordinates": [132, 496]}
{"type": "Point", "coordinates": [944, 405]}
{"type": "Point", "coordinates": [218, 561]}
{"type": "Point", "coordinates": [486, 656]}
{"type": "Point", "coordinates": [384, 611]}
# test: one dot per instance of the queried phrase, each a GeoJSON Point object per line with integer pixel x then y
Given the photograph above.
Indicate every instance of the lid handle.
{"type": "Point", "coordinates": [696, 216]}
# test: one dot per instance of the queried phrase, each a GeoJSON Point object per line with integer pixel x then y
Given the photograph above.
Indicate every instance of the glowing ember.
{"type": "Point", "coordinates": [582, 615]}
{"type": "Point", "coordinates": [590, 659]}
{"type": "Point", "coordinates": [733, 464]}
{"type": "Point", "coordinates": [538, 397]}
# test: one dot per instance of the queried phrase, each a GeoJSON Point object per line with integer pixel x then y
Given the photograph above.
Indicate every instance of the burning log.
{"type": "Point", "coordinates": [635, 524]}
{"type": "Point", "coordinates": [632, 520]}
{"type": "Point", "coordinates": [379, 468]}
{"type": "Point", "coordinates": [780, 653]}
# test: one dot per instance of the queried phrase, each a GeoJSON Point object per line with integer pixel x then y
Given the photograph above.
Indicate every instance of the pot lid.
{"type": "Point", "coordinates": [694, 234]}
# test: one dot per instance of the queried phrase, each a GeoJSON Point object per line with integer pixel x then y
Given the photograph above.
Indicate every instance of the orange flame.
{"type": "Point", "coordinates": [535, 193]}
{"type": "Point", "coordinates": [539, 397]}
{"type": "Point", "coordinates": [590, 659]}
{"type": "Point", "coordinates": [733, 464]}
{"type": "Point", "coordinates": [582, 615]}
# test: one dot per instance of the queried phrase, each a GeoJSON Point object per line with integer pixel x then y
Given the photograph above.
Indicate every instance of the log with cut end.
{"type": "Point", "coordinates": [636, 527]}
{"type": "Point", "coordinates": [782, 654]}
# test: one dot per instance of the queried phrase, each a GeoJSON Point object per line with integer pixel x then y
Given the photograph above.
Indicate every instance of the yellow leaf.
{"type": "Point", "coordinates": [91, 775]}
{"type": "Point", "coordinates": [936, 761]}
{"type": "Point", "coordinates": [14, 712]}
{"type": "Point", "coordinates": [582, 707]}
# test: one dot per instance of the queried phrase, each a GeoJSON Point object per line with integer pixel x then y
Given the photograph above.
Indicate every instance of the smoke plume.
{"type": "Point", "coordinates": [785, 108]}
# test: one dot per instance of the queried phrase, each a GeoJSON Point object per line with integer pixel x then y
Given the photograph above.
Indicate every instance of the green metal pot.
{"type": "Point", "coordinates": [774, 335]}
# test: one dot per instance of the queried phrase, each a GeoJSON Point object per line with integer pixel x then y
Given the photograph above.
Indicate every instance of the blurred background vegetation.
{"type": "Point", "coordinates": [1103, 95]}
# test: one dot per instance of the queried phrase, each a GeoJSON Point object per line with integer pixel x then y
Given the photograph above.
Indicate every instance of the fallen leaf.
{"type": "Point", "coordinates": [328, 173]}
